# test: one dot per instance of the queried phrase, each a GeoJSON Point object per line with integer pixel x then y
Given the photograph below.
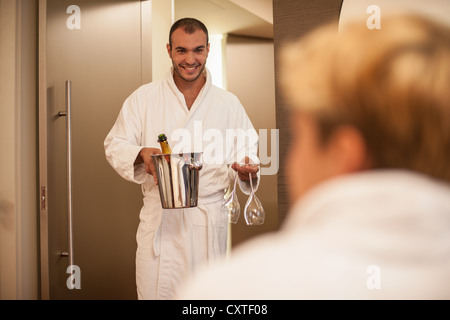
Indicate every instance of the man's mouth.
{"type": "Point", "coordinates": [190, 68]}
{"type": "Point", "coordinates": [189, 72]}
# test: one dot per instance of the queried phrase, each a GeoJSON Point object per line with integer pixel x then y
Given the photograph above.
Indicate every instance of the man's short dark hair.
{"type": "Point", "coordinates": [189, 25]}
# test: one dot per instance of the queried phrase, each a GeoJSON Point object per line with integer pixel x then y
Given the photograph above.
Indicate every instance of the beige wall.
{"type": "Point", "coordinates": [250, 76]}
{"type": "Point", "coordinates": [18, 200]}
{"type": "Point", "coordinates": [161, 20]}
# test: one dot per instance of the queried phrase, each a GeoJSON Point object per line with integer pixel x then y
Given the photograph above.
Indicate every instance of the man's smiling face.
{"type": "Point", "coordinates": [188, 53]}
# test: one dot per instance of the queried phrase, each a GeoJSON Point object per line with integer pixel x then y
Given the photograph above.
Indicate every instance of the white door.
{"type": "Point", "coordinates": [97, 46]}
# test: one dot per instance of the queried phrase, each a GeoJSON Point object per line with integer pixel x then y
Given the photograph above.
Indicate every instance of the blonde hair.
{"type": "Point", "coordinates": [392, 84]}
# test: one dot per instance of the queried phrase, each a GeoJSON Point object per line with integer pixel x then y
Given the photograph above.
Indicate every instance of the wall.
{"type": "Point", "coordinates": [438, 10]}
{"type": "Point", "coordinates": [250, 76]}
{"type": "Point", "coordinates": [18, 183]}
{"type": "Point", "coordinates": [292, 19]}
{"type": "Point", "coordinates": [161, 20]}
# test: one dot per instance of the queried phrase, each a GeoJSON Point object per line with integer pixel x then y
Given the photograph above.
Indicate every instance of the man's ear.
{"type": "Point", "coordinates": [349, 150]}
{"type": "Point", "coordinates": [169, 50]}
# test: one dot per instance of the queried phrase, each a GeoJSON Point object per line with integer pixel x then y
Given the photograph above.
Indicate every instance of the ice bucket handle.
{"type": "Point", "coordinates": [195, 165]}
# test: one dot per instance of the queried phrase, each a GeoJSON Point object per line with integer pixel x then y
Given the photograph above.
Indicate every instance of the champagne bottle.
{"type": "Point", "coordinates": [165, 148]}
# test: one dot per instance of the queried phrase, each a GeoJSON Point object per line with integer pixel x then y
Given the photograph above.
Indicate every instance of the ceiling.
{"type": "Point", "coordinates": [240, 17]}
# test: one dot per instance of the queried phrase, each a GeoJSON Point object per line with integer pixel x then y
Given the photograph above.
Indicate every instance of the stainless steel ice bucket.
{"type": "Point", "coordinates": [178, 179]}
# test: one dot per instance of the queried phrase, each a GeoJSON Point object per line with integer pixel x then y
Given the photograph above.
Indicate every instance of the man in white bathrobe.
{"type": "Point", "coordinates": [369, 173]}
{"type": "Point", "coordinates": [196, 116]}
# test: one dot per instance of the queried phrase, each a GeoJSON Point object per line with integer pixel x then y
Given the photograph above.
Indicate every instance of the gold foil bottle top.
{"type": "Point", "coordinates": [165, 148]}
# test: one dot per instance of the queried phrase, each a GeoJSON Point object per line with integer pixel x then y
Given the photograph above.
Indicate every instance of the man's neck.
{"type": "Point", "coordinates": [190, 90]}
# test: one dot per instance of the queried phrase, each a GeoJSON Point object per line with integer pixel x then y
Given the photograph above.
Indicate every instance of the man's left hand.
{"type": "Point", "coordinates": [244, 168]}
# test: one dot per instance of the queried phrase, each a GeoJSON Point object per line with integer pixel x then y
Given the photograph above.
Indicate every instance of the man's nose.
{"type": "Point", "coordinates": [190, 57]}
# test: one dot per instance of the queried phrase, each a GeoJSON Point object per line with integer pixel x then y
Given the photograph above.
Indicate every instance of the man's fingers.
{"type": "Point", "coordinates": [246, 176]}
{"type": "Point", "coordinates": [244, 173]}
{"type": "Point", "coordinates": [243, 170]}
{"type": "Point", "coordinates": [150, 168]}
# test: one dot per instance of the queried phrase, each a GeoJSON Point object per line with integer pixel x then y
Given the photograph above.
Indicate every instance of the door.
{"type": "Point", "coordinates": [101, 47]}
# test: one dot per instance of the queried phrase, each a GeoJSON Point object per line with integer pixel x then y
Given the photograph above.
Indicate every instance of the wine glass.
{"type": "Point", "coordinates": [232, 204]}
{"type": "Point", "coordinates": [253, 212]}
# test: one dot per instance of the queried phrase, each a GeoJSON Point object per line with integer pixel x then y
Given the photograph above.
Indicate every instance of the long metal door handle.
{"type": "Point", "coordinates": [67, 114]}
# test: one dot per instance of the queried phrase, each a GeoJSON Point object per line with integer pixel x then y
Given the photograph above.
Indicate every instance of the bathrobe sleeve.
{"type": "Point", "coordinates": [123, 142]}
{"type": "Point", "coordinates": [246, 146]}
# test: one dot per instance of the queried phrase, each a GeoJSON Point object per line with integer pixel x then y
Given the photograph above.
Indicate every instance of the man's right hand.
{"type": "Point", "coordinates": [144, 156]}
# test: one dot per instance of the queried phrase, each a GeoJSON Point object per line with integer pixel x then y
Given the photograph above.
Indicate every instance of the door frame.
{"type": "Point", "coordinates": [42, 131]}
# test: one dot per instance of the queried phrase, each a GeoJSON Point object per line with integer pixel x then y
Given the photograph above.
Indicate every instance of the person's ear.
{"type": "Point", "coordinates": [349, 150]}
{"type": "Point", "coordinates": [169, 50]}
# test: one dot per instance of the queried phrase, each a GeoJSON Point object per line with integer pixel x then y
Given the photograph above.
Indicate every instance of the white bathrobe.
{"type": "Point", "coordinates": [174, 242]}
{"type": "Point", "coordinates": [375, 235]}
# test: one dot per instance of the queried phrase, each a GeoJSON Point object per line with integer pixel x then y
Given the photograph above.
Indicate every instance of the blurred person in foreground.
{"type": "Point", "coordinates": [368, 172]}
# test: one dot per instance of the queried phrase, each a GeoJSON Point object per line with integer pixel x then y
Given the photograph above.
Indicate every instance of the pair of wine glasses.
{"type": "Point", "coordinates": [253, 211]}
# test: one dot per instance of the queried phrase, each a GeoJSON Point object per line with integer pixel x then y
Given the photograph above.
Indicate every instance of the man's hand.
{"type": "Point", "coordinates": [144, 156]}
{"type": "Point", "coordinates": [244, 168]}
